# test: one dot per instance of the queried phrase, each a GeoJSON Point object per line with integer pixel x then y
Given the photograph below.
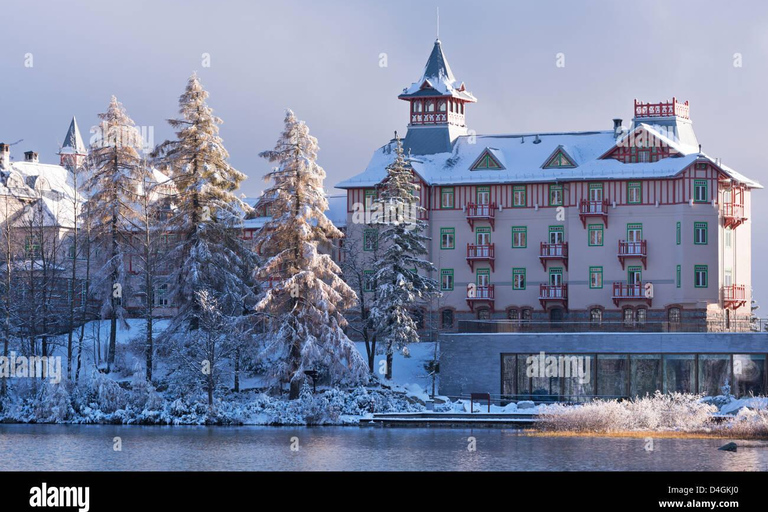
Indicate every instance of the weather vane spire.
{"type": "Point", "coordinates": [437, 28]}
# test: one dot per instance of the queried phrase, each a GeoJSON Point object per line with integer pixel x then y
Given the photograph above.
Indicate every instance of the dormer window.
{"type": "Point", "coordinates": [559, 160]}
{"type": "Point", "coordinates": [441, 106]}
{"type": "Point", "coordinates": [417, 106]}
{"type": "Point", "coordinates": [487, 160]}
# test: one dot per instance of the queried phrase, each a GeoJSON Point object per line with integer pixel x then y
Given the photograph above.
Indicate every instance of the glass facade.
{"type": "Point", "coordinates": [580, 377]}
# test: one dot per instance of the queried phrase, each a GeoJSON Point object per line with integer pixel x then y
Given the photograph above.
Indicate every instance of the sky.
{"type": "Point", "coordinates": [323, 59]}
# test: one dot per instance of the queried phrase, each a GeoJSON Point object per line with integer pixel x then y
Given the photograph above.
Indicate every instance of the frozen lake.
{"type": "Point", "coordinates": [78, 448]}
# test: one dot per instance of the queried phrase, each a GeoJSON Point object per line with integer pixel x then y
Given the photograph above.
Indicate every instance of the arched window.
{"type": "Point", "coordinates": [640, 315]}
{"type": "Point", "coordinates": [513, 314]}
{"type": "Point", "coordinates": [526, 314]}
{"type": "Point", "coordinates": [629, 317]}
{"type": "Point", "coordinates": [441, 106]}
{"type": "Point", "coordinates": [446, 319]}
{"type": "Point", "coordinates": [673, 315]}
{"type": "Point", "coordinates": [483, 314]}
{"type": "Point", "coordinates": [430, 106]}
{"type": "Point", "coordinates": [595, 317]}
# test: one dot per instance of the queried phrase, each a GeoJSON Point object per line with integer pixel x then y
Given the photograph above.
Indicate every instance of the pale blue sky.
{"type": "Point", "coordinates": [321, 58]}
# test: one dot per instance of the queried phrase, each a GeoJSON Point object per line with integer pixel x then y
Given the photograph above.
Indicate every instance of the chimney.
{"type": "Point", "coordinates": [30, 156]}
{"type": "Point", "coordinates": [616, 128]}
{"type": "Point", "coordinates": [5, 156]}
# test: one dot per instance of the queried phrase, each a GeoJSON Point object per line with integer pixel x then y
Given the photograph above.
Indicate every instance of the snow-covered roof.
{"type": "Point", "coordinates": [337, 210]}
{"type": "Point", "coordinates": [522, 160]}
{"type": "Point", "coordinates": [437, 79]}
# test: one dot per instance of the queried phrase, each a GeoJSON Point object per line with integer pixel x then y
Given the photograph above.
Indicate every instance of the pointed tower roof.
{"type": "Point", "coordinates": [437, 79]}
{"type": "Point", "coordinates": [73, 142]}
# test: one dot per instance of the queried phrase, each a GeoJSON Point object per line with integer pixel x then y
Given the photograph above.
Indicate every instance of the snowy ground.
{"type": "Point", "coordinates": [123, 397]}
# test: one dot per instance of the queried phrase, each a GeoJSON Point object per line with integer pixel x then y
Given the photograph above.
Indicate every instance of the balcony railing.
{"type": "Point", "coordinates": [480, 294]}
{"type": "Point", "coordinates": [480, 252]}
{"type": "Point", "coordinates": [553, 251]}
{"type": "Point", "coordinates": [553, 292]}
{"type": "Point", "coordinates": [624, 291]}
{"type": "Point", "coordinates": [733, 214]}
{"type": "Point", "coordinates": [637, 249]}
{"type": "Point", "coordinates": [734, 296]}
{"type": "Point", "coordinates": [593, 209]}
{"type": "Point", "coordinates": [486, 212]}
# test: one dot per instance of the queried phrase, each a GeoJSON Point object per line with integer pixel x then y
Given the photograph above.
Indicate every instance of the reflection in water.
{"type": "Point", "coordinates": [90, 447]}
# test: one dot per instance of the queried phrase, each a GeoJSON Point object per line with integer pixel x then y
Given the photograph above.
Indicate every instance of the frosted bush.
{"type": "Point", "coordinates": [661, 411]}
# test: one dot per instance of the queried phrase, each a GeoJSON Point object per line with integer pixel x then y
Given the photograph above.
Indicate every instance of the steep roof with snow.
{"type": "Point", "coordinates": [73, 142]}
{"type": "Point", "coordinates": [523, 155]}
{"type": "Point", "coordinates": [437, 79]}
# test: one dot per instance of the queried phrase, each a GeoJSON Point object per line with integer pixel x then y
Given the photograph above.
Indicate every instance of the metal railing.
{"type": "Point", "coordinates": [512, 326]}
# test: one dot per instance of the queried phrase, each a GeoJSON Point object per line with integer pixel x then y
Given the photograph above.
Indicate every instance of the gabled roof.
{"type": "Point", "coordinates": [73, 142]}
{"type": "Point", "coordinates": [674, 143]}
{"type": "Point", "coordinates": [437, 79]}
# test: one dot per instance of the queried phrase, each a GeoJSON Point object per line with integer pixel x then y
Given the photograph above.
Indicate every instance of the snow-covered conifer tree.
{"type": "Point", "coordinates": [206, 217]}
{"type": "Point", "coordinates": [308, 296]}
{"type": "Point", "coordinates": [116, 170]}
{"type": "Point", "coordinates": [399, 285]}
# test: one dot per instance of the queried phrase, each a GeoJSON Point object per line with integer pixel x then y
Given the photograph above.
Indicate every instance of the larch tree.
{"type": "Point", "coordinates": [207, 217]}
{"type": "Point", "coordinates": [307, 295]}
{"type": "Point", "coordinates": [116, 170]}
{"type": "Point", "coordinates": [399, 285]}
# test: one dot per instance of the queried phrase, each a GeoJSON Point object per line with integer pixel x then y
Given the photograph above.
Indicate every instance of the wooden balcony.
{"type": "Point", "coordinates": [482, 212]}
{"type": "Point", "coordinates": [630, 292]}
{"type": "Point", "coordinates": [480, 294]}
{"type": "Point", "coordinates": [589, 209]}
{"type": "Point", "coordinates": [549, 251]}
{"type": "Point", "coordinates": [557, 293]}
{"type": "Point", "coordinates": [480, 252]}
{"type": "Point", "coordinates": [633, 250]}
{"type": "Point", "coordinates": [734, 296]}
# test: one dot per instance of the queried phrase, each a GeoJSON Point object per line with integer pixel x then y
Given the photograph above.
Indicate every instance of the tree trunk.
{"type": "Point", "coordinates": [237, 370]}
{"type": "Point", "coordinates": [295, 389]}
{"type": "Point", "coordinates": [112, 341]}
{"type": "Point", "coordinates": [389, 363]}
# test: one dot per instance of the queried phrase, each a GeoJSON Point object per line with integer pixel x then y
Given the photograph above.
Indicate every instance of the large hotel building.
{"type": "Point", "coordinates": [633, 227]}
